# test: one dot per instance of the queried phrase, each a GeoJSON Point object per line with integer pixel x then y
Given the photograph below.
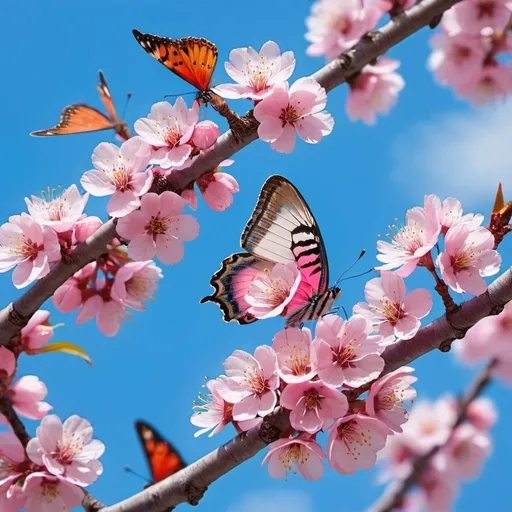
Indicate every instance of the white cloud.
{"type": "Point", "coordinates": [274, 501]}
{"type": "Point", "coordinates": [461, 154]}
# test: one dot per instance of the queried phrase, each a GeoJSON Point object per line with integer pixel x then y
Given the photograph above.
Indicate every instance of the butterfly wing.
{"type": "Point", "coordinates": [232, 282]}
{"type": "Point", "coordinates": [282, 229]}
{"type": "Point", "coordinates": [78, 118]}
{"type": "Point", "coordinates": [193, 59]}
{"type": "Point", "coordinates": [163, 459]}
{"type": "Point", "coordinates": [106, 97]}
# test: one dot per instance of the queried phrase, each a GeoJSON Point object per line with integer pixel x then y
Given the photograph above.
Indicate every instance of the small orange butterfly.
{"type": "Point", "coordinates": [163, 459]}
{"type": "Point", "coordinates": [193, 59]}
{"type": "Point", "coordinates": [81, 118]}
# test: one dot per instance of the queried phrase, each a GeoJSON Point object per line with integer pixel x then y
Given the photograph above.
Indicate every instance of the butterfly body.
{"type": "Point", "coordinates": [191, 58]}
{"type": "Point", "coordinates": [281, 230]}
{"type": "Point", "coordinates": [81, 118]}
{"type": "Point", "coordinates": [162, 458]}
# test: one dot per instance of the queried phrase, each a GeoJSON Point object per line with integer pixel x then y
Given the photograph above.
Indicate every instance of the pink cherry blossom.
{"type": "Point", "coordinates": [335, 26]}
{"type": "Point", "coordinates": [169, 128]}
{"type": "Point", "coordinates": [473, 16]}
{"type": "Point", "coordinates": [451, 214]}
{"type": "Point", "coordinates": [343, 352]}
{"type": "Point", "coordinates": [429, 425]}
{"type": "Point", "coordinates": [468, 258]}
{"type": "Point", "coordinates": [205, 134]}
{"type": "Point", "coordinates": [136, 283]}
{"type": "Point", "coordinates": [392, 6]}
{"type": "Point", "coordinates": [30, 248]}
{"type": "Point", "coordinates": [387, 395]}
{"type": "Point", "coordinates": [389, 310]}
{"type": "Point", "coordinates": [490, 338]}
{"type": "Point", "coordinates": [121, 173]}
{"type": "Point", "coordinates": [108, 312]}
{"type": "Point", "coordinates": [217, 189]}
{"type": "Point", "coordinates": [26, 397]}
{"type": "Point", "coordinates": [457, 59]}
{"type": "Point", "coordinates": [464, 454]}
{"type": "Point", "coordinates": [212, 413]}
{"type": "Point", "coordinates": [354, 442]}
{"type": "Point", "coordinates": [37, 332]}
{"type": "Point", "coordinates": [67, 449]}
{"type": "Point", "coordinates": [256, 73]}
{"type": "Point", "coordinates": [158, 228]}
{"type": "Point", "coordinates": [314, 405]}
{"type": "Point", "coordinates": [44, 492]}
{"type": "Point", "coordinates": [60, 212]}
{"type": "Point", "coordinates": [68, 296]}
{"type": "Point", "coordinates": [269, 295]}
{"type": "Point", "coordinates": [493, 82]}
{"type": "Point", "coordinates": [251, 383]}
{"type": "Point", "coordinates": [374, 91]}
{"type": "Point", "coordinates": [438, 490]}
{"type": "Point", "coordinates": [301, 454]}
{"type": "Point", "coordinates": [482, 413]}
{"type": "Point", "coordinates": [413, 241]}
{"type": "Point", "coordinates": [7, 362]}
{"type": "Point", "coordinates": [300, 109]}
{"type": "Point", "coordinates": [86, 227]}
{"type": "Point", "coordinates": [293, 348]}
{"type": "Point", "coordinates": [12, 458]}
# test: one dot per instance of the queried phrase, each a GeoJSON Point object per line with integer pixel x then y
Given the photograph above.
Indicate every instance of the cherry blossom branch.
{"type": "Point", "coordinates": [15, 316]}
{"type": "Point", "coordinates": [188, 485]}
{"type": "Point", "coordinates": [14, 421]}
{"type": "Point", "coordinates": [395, 493]}
{"type": "Point", "coordinates": [90, 503]}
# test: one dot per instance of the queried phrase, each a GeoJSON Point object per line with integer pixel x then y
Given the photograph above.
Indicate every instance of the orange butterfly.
{"type": "Point", "coordinates": [80, 118]}
{"type": "Point", "coordinates": [163, 459]}
{"type": "Point", "coordinates": [193, 59]}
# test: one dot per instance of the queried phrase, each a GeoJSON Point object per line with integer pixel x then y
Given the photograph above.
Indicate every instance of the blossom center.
{"type": "Point", "coordinates": [141, 287]}
{"type": "Point", "coordinates": [293, 454]}
{"type": "Point", "coordinates": [393, 312]}
{"type": "Point", "coordinates": [66, 452]}
{"type": "Point", "coordinates": [26, 248]}
{"type": "Point", "coordinates": [49, 490]}
{"type": "Point", "coordinates": [173, 136]}
{"type": "Point", "coordinates": [486, 9]}
{"type": "Point", "coordinates": [299, 363]}
{"type": "Point", "coordinates": [256, 381]}
{"type": "Point", "coordinates": [409, 238]}
{"type": "Point", "coordinates": [291, 114]}
{"type": "Point", "coordinates": [157, 226]}
{"type": "Point", "coordinates": [258, 76]}
{"type": "Point", "coordinates": [390, 399]}
{"type": "Point", "coordinates": [459, 54]}
{"type": "Point", "coordinates": [465, 259]}
{"type": "Point", "coordinates": [313, 399]}
{"type": "Point", "coordinates": [343, 355]}
{"type": "Point", "coordinates": [121, 180]}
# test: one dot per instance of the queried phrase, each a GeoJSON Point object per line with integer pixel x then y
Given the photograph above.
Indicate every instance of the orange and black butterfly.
{"type": "Point", "coordinates": [163, 459]}
{"type": "Point", "coordinates": [192, 58]}
{"type": "Point", "coordinates": [81, 118]}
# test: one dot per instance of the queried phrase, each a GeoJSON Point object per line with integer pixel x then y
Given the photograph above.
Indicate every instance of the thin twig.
{"type": "Point", "coordinates": [16, 424]}
{"type": "Point", "coordinates": [90, 503]}
{"type": "Point", "coordinates": [395, 494]}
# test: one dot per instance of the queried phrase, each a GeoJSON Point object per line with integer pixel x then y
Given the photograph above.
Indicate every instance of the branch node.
{"type": "Point", "coordinates": [446, 345]}
{"type": "Point", "coordinates": [269, 433]}
{"type": "Point", "coordinates": [194, 494]}
{"type": "Point", "coordinates": [17, 318]}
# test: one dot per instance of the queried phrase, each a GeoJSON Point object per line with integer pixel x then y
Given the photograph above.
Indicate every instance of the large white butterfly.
{"type": "Point", "coordinates": [281, 230]}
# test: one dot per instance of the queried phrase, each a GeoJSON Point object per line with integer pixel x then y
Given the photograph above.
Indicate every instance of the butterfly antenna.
{"type": "Point", "coordinates": [176, 95]}
{"type": "Point", "coordinates": [363, 252]}
{"type": "Point", "coordinates": [359, 275]}
{"type": "Point", "coordinates": [128, 98]}
{"type": "Point", "coordinates": [128, 469]}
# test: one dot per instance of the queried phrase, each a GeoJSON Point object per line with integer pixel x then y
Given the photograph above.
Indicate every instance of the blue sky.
{"type": "Point", "coordinates": [357, 181]}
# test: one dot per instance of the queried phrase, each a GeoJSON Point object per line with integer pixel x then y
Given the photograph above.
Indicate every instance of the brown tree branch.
{"type": "Point", "coordinates": [394, 495]}
{"type": "Point", "coordinates": [90, 503]}
{"type": "Point", "coordinates": [188, 485]}
{"type": "Point", "coordinates": [14, 421]}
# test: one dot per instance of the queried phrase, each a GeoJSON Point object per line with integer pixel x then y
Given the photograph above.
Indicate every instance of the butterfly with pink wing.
{"type": "Point", "coordinates": [281, 230]}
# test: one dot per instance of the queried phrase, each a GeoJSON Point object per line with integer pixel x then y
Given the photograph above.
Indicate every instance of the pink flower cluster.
{"type": "Point", "coordinates": [469, 54]}
{"type": "Point", "coordinates": [31, 244]}
{"type": "Point", "coordinates": [468, 254]}
{"type": "Point", "coordinates": [51, 472]}
{"type": "Point", "coordinates": [308, 376]}
{"type": "Point", "coordinates": [490, 339]}
{"type": "Point", "coordinates": [281, 110]}
{"type": "Point", "coordinates": [464, 449]}
{"type": "Point", "coordinates": [106, 288]}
